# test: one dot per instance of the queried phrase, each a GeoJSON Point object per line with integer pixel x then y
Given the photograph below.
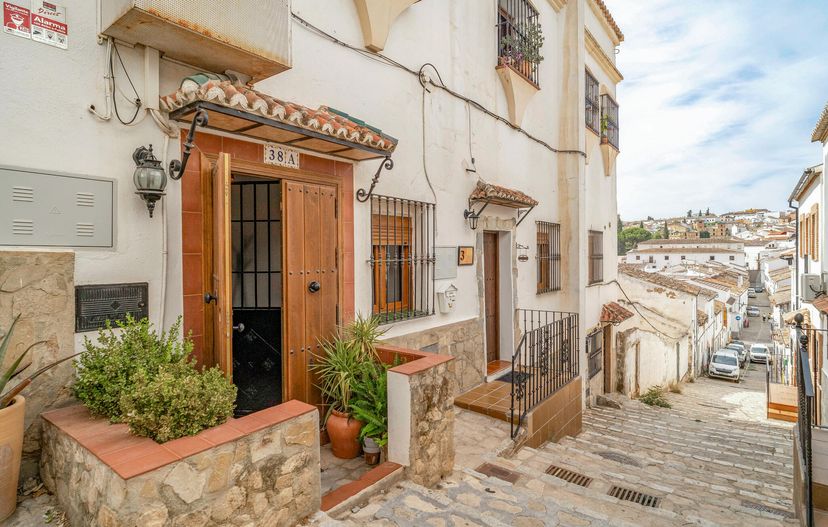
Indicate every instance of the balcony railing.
{"type": "Point", "coordinates": [513, 26]}
{"type": "Point", "coordinates": [545, 360]}
{"type": "Point", "coordinates": [609, 120]}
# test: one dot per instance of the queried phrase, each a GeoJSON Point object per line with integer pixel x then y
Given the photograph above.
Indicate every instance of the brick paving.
{"type": "Point", "coordinates": [711, 459]}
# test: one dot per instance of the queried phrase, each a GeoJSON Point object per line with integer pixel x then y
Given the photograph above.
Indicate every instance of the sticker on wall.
{"type": "Point", "coordinates": [16, 20]}
{"type": "Point", "coordinates": [281, 156]}
{"type": "Point", "coordinates": [49, 25]}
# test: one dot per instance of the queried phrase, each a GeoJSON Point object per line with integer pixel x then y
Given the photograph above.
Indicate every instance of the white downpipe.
{"type": "Point", "coordinates": [164, 251]}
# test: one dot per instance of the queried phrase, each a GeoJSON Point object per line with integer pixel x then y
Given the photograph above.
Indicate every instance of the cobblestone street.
{"type": "Point", "coordinates": [711, 459]}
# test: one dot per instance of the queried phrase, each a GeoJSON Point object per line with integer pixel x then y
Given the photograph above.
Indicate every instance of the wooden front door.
{"type": "Point", "coordinates": [310, 281]}
{"type": "Point", "coordinates": [222, 286]}
{"type": "Point", "coordinates": [492, 296]}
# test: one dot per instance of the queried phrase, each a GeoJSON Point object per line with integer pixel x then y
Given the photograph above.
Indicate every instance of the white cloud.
{"type": "Point", "coordinates": [718, 102]}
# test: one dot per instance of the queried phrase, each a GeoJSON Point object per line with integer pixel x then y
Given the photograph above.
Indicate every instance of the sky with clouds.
{"type": "Point", "coordinates": [718, 102]}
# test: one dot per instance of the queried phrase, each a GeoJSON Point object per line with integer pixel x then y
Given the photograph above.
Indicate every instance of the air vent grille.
{"type": "Point", "coordinates": [23, 227]}
{"type": "Point", "coordinates": [623, 493]}
{"type": "Point", "coordinates": [85, 199]}
{"type": "Point", "coordinates": [569, 476]}
{"type": "Point", "coordinates": [85, 229]}
{"type": "Point", "coordinates": [24, 194]}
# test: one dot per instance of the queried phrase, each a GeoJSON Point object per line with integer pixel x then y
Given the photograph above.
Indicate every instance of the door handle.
{"type": "Point", "coordinates": [239, 327]}
{"type": "Point", "coordinates": [208, 297]}
{"type": "Point", "coordinates": [314, 286]}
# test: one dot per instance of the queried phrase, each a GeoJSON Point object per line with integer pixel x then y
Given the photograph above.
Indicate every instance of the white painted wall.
{"type": "Point", "coordinates": [660, 259]}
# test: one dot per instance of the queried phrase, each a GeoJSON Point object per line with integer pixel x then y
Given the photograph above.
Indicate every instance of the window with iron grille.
{"type": "Point", "coordinates": [516, 19]}
{"type": "Point", "coordinates": [549, 256]}
{"type": "Point", "coordinates": [402, 258]}
{"type": "Point", "coordinates": [609, 120]}
{"type": "Point", "coordinates": [595, 352]}
{"type": "Point", "coordinates": [596, 257]}
{"type": "Point", "coordinates": [593, 102]}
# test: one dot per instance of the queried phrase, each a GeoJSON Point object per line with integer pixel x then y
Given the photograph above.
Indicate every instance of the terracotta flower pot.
{"type": "Point", "coordinates": [11, 447]}
{"type": "Point", "coordinates": [344, 433]}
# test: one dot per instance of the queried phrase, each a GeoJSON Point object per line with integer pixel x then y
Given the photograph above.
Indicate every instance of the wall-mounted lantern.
{"type": "Point", "coordinates": [472, 217]}
{"type": "Point", "coordinates": [149, 177]}
{"type": "Point", "coordinates": [523, 252]}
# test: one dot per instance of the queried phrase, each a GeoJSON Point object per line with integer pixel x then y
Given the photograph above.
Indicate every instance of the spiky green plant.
{"type": "Point", "coordinates": [655, 397]}
{"type": "Point", "coordinates": [336, 369]}
{"type": "Point", "coordinates": [364, 333]}
{"type": "Point", "coordinates": [12, 370]}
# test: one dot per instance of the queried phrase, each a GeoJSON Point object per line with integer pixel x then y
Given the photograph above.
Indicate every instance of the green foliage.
{"type": "Point", "coordinates": [704, 234]}
{"type": "Point", "coordinates": [655, 397]}
{"type": "Point", "coordinates": [177, 401]}
{"type": "Point", "coordinates": [666, 232]}
{"type": "Point", "coordinates": [364, 333]}
{"type": "Point", "coordinates": [108, 369]}
{"type": "Point", "coordinates": [369, 403]}
{"type": "Point", "coordinates": [525, 48]}
{"type": "Point", "coordinates": [6, 376]}
{"type": "Point", "coordinates": [631, 236]}
{"type": "Point", "coordinates": [337, 368]}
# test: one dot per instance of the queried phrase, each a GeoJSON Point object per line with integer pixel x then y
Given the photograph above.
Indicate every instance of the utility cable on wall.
{"type": "Point", "coordinates": [389, 61]}
{"type": "Point", "coordinates": [634, 306]}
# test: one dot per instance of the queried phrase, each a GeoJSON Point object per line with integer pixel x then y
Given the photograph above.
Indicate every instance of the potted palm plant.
{"type": "Point", "coordinates": [336, 368]}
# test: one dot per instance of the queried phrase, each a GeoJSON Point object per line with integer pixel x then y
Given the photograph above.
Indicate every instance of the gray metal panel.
{"type": "Point", "coordinates": [48, 209]}
{"type": "Point", "coordinates": [446, 263]}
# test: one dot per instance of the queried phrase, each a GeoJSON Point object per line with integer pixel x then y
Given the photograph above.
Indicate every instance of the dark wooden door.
{"type": "Point", "coordinates": [310, 283]}
{"type": "Point", "coordinates": [492, 295]}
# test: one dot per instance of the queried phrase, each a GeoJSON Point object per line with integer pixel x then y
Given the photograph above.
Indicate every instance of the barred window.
{"type": "Point", "coordinates": [595, 352]}
{"type": "Point", "coordinates": [596, 257]}
{"type": "Point", "coordinates": [517, 20]}
{"type": "Point", "coordinates": [549, 256]}
{"type": "Point", "coordinates": [402, 258]}
{"type": "Point", "coordinates": [593, 109]}
{"type": "Point", "coordinates": [609, 119]}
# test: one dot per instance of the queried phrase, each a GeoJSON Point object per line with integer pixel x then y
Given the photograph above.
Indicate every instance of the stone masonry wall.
{"type": "Point", "coordinates": [39, 286]}
{"type": "Point", "coordinates": [432, 424]}
{"type": "Point", "coordinates": [461, 340]}
{"type": "Point", "coordinates": [269, 477]}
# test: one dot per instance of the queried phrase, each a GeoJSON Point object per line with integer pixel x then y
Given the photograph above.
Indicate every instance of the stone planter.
{"type": "Point", "coordinates": [11, 447]}
{"type": "Point", "coordinates": [261, 469]}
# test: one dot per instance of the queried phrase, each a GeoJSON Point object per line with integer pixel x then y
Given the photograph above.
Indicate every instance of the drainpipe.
{"type": "Point", "coordinates": [796, 253]}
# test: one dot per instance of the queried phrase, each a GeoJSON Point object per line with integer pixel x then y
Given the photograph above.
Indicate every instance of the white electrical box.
{"type": "Point", "coordinates": [809, 286]}
{"type": "Point", "coordinates": [55, 210]}
{"type": "Point", "coordinates": [252, 37]}
{"type": "Point", "coordinates": [446, 298]}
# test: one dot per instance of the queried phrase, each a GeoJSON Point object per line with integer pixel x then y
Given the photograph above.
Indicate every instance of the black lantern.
{"type": "Point", "coordinates": [472, 218]}
{"type": "Point", "coordinates": [149, 178]}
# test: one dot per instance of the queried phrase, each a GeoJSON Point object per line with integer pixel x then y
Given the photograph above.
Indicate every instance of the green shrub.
{"type": "Point", "coordinates": [107, 370]}
{"type": "Point", "coordinates": [655, 397]}
{"type": "Point", "coordinates": [369, 402]}
{"type": "Point", "coordinates": [178, 401]}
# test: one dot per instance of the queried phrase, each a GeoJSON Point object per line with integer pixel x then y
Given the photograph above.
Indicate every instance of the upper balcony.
{"type": "Point", "coordinates": [252, 38]}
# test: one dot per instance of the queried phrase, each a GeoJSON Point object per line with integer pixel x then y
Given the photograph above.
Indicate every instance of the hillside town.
{"type": "Point", "coordinates": [363, 263]}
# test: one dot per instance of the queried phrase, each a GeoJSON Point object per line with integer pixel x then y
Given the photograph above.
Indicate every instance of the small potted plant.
{"type": "Point", "coordinates": [523, 52]}
{"type": "Point", "coordinates": [370, 405]}
{"type": "Point", "coordinates": [336, 368]}
{"type": "Point", "coordinates": [604, 129]}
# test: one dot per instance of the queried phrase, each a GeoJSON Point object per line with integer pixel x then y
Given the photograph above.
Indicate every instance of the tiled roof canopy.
{"type": "Point", "coordinates": [788, 317]}
{"type": "Point", "coordinates": [233, 107]}
{"type": "Point", "coordinates": [664, 281]}
{"type": "Point", "coordinates": [503, 196]}
{"type": "Point", "coordinates": [614, 313]}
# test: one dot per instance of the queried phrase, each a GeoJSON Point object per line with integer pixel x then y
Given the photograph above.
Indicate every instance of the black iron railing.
{"type": "Point", "coordinates": [515, 22]}
{"type": "Point", "coordinates": [546, 359]}
{"type": "Point", "coordinates": [609, 120]}
{"type": "Point", "coordinates": [804, 424]}
{"type": "Point", "coordinates": [593, 104]}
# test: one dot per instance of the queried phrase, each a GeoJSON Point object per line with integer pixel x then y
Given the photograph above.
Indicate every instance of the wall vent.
{"type": "Point", "coordinates": [569, 476]}
{"type": "Point", "coordinates": [23, 227]}
{"type": "Point", "coordinates": [623, 493]}
{"type": "Point", "coordinates": [85, 229]}
{"type": "Point", "coordinates": [24, 194]}
{"type": "Point", "coordinates": [85, 199]}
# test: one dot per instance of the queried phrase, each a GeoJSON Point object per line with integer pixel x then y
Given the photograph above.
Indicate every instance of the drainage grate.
{"type": "Point", "coordinates": [623, 493]}
{"type": "Point", "coordinates": [619, 458]}
{"type": "Point", "coordinates": [770, 510]}
{"type": "Point", "coordinates": [569, 476]}
{"type": "Point", "coordinates": [498, 472]}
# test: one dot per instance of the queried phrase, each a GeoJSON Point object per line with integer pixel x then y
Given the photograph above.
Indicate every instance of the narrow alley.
{"type": "Point", "coordinates": [711, 459]}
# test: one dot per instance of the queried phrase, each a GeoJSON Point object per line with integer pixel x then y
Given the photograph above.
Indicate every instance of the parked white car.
{"type": "Point", "coordinates": [725, 364]}
{"type": "Point", "coordinates": [740, 349]}
{"type": "Point", "coordinates": [759, 353]}
{"type": "Point", "coordinates": [751, 292]}
{"type": "Point", "coordinates": [753, 311]}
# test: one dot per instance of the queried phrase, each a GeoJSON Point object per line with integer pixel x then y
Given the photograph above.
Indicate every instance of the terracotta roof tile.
{"type": "Point", "coordinates": [501, 196]}
{"type": "Point", "coordinates": [614, 313]}
{"type": "Point", "coordinates": [323, 120]}
{"type": "Point", "coordinates": [718, 306]}
{"type": "Point", "coordinates": [611, 21]}
{"type": "Point", "coordinates": [701, 317]}
{"type": "Point", "coordinates": [664, 281]}
{"type": "Point", "coordinates": [820, 132]}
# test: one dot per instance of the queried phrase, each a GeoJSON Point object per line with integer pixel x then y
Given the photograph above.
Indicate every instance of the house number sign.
{"type": "Point", "coordinates": [281, 156]}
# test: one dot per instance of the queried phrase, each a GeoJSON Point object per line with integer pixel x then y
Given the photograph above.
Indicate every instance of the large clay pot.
{"type": "Point", "coordinates": [344, 433]}
{"type": "Point", "coordinates": [11, 447]}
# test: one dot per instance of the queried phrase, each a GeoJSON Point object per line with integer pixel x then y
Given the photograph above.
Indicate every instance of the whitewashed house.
{"type": "Point", "coordinates": [659, 254]}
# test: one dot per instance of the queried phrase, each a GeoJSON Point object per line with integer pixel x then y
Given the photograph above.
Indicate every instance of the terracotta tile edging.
{"type": "Point", "coordinates": [130, 456]}
{"type": "Point", "coordinates": [373, 476]}
{"type": "Point", "coordinates": [417, 361]}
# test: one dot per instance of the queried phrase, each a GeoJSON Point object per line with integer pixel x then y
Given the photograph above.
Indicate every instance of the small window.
{"type": "Point", "coordinates": [595, 352]}
{"type": "Point", "coordinates": [517, 22]}
{"type": "Point", "coordinates": [549, 256]}
{"type": "Point", "coordinates": [596, 257]}
{"type": "Point", "coordinates": [712, 258]}
{"type": "Point", "coordinates": [402, 258]}
{"type": "Point", "coordinates": [732, 258]}
{"type": "Point", "coordinates": [637, 257]}
{"type": "Point", "coordinates": [593, 104]}
{"type": "Point", "coordinates": [609, 120]}
{"type": "Point", "coordinates": [666, 257]}
{"type": "Point", "coordinates": [683, 257]}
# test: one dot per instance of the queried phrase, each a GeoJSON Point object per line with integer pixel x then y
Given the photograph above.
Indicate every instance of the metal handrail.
{"type": "Point", "coordinates": [805, 393]}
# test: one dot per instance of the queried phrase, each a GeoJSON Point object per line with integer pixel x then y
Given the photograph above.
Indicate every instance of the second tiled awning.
{"type": "Point", "coordinates": [614, 313]}
{"type": "Point", "coordinates": [234, 107]}
{"type": "Point", "coordinates": [497, 195]}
